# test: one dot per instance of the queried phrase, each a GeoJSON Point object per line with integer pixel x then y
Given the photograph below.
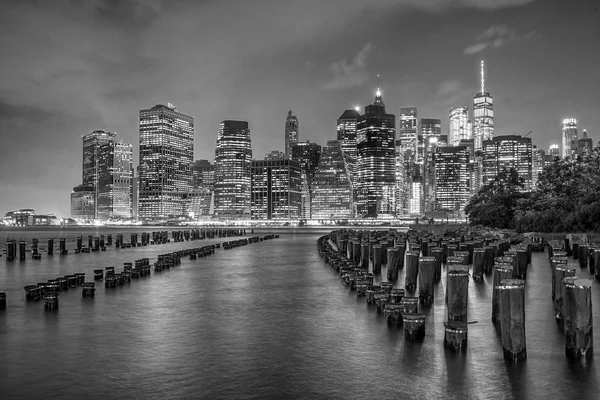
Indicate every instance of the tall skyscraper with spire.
{"type": "Point", "coordinates": [375, 168]}
{"type": "Point", "coordinates": [291, 133]}
{"type": "Point", "coordinates": [569, 136]}
{"type": "Point", "coordinates": [483, 114]}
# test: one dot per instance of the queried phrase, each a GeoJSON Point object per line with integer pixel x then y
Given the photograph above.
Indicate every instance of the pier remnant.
{"type": "Point", "coordinates": [457, 290]}
{"type": "Point", "coordinates": [512, 319]}
{"type": "Point", "coordinates": [426, 277]}
{"type": "Point", "coordinates": [579, 333]}
{"type": "Point", "coordinates": [501, 272]}
{"type": "Point", "coordinates": [414, 326]}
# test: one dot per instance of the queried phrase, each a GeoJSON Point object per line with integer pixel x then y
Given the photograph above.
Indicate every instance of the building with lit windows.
{"type": "Point", "coordinates": [233, 161]}
{"type": "Point", "coordinates": [376, 161]}
{"type": "Point", "coordinates": [115, 173]}
{"type": "Point", "coordinates": [459, 125]}
{"type": "Point", "coordinates": [91, 146]}
{"type": "Point", "coordinates": [275, 155]}
{"type": "Point", "coordinates": [307, 154]}
{"type": "Point", "coordinates": [585, 145]}
{"type": "Point", "coordinates": [505, 152]}
{"type": "Point", "coordinates": [292, 133]}
{"type": "Point", "coordinates": [346, 136]}
{"type": "Point", "coordinates": [83, 202]}
{"type": "Point", "coordinates": [408, 130]}
{"type": "Point", "coordinates": [276, 188]}
{"type": "Point", "coordinates": [483, 114]}
{"type": "Point", "coordinates": [553, 150]}
{"type": "Point", "coordinates": [401, 185]}
{"type": "Point", "coordinates": [332, 191]}
{"type": "Point", "coordinates": [452, 178]}
{"type": "Point", "coordinates": [204, 175]}
{"type": "Point", "coordinates": [537, 166]}
{"type": "Point", "coordinates": [166, 161]}
{"type": "Point", "coordinates": [569, 136]}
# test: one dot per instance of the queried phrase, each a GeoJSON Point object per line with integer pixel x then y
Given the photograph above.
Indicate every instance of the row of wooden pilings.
{"type": "Point", "coordinates": [100, 243]}
{"type": "Point", "coordinates": [49, 291]}
{"type": "Point", "coordinates": [353, 252]}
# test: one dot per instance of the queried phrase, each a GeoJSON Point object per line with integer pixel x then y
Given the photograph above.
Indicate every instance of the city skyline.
{"type": "Point", "coordinates": [44, 110]}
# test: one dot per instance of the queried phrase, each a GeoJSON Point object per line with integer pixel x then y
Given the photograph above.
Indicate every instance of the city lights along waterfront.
{"type": "Point", "coordinates": [267, 320]}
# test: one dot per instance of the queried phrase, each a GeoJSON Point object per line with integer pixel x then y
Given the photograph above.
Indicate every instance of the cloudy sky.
{"type": "Point", "coordinates": [69, 67]}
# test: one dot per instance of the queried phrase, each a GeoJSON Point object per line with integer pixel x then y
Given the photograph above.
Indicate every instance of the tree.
{"type": "Point", "coordinates": [495, 203]}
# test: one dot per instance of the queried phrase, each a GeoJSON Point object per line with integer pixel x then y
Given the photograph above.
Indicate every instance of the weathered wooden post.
{"type": "Point", "coordinates": [393, 262]}
{"type": "Point", "coordinates": [562, 272]}
{"type": "Point", "coordinates": [412, 270]}
{"type": "Point", "coordinates": [554, 262]}
{"type": "Point", "coordinates": [437, 253]}
{"type": "Point", "coordinates": [594, 259]}
{"type": "Point", "coordinates": [356, 251]}
{"type": "Point", "coordinates": [583, 255]}
{"type": "Point", "coordinates": [89, 289]}
{"type": "Point", "coordinates": [396, 296]}
{"type": "Point", "coordinates": [478, 263]}
{"type": "Point", "coordinates": [109, 239]}
{"type": "Point", "coordinates": [401, 246]}
{"type": "Point", "coordinates": [521, 263]}
{"type": "Point", "coordinates": [364, 255]}
{"type": "Point", "coordinates": [464, 255]}
{"type": "Point", "coordinates": [349, 250]}
{"type": "Point", "coordinates": [488, 261]}
{"type": "Point", "coordinates": [579, 332]}
{"type": "Point", "coordinates": [457, 290]}
{"type": "Point", "coordinates": [96, 244]}
{"type": "Point", "coordinates": [414, 326]}
{"type": "Point", "coordinates": [51, 300]}
{"type": "Point", "coordinates": [512, 319]}
{"type": "Point", "coordinates": [50, 247]}
{"type": "Point", "coordinates": [393, 313]}
{"type": "Point", "coordinates": [90, 242]}
{"type": "Point", "coordinates": [426, 279]}
{"type": "Point", "coordinates": [501, 272]}
{"type": "Point", "coordinates": [384, 247]}
{"type": "Point", "coordinates": [22, 249]}
{"type": "Point", "coordinates": [377, 259]}
{"type": "Point", "coordinates": [2, 301]}
{"type": "Point", "coordinates": [455, 335]}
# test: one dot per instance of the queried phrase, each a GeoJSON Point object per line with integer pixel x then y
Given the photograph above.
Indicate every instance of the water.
{"type": "Point", "coordinates": [268, 320]}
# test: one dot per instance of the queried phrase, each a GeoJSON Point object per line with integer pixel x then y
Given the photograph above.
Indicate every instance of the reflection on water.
{"type": "Point", "coordinates": [268, 320]}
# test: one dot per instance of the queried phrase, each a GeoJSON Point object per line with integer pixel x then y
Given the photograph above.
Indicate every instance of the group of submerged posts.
{"type": "Point", "coordinates": [358, 256]}
{"type": "Point", "coordinates": [572, 295]}
{"type": "Point", "coordinates": [49, 291]}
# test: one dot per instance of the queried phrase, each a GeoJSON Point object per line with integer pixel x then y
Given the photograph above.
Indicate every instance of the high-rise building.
{"type": "Point", "coordinates": [430, 134]}
{"type": "Point", "coordinates": [204, 175]}
{"type": "Point", "coordinates": [91, 146]}
{"type": "Point", "coordinates": [115, 174]}
{"type": "Point", "coordinates": [483, 114]}
{"type": "Point", "coordinates": [332, 191]}
{"type": "Point", "coordinates": [307, 154]}
{"type": "Point", "coordinates": [376, 164]}
{"type": "Point", "coordinates": [83, 202]}
{"type": "Point", "coordinates": [402, 181]}
{"type": "Point", "coordinates": [452, 178]}
{"type": "Point", "coordinates": [233, 160]}
{"type": "Point", "coordinates": [275, 155]}
{"type": "Point", "coordinates": [408, 130]}
{"type": "Point", "coordinates": [201, 198]}
{"type": "Point", "coordinates": [275, 189]}
{"type": "Point", "coordinates": [346, 136]}
{"type": "Point", "coordinates": [166, 160]}
{"type": "Point", "coordinates": [585, 145]}
{"type": "Point", "coordinates": [505, 152]}
{"type": "Point", "coordinates": [569, 136]}
{"type": "Point", "coordinates": [291, 133]}
{"type": "Point", "coordinates": [459, 125]}
{"type": "Point", "coordinates": [538, 162]}
{"type": "Point", "coordinates": [554, 150]}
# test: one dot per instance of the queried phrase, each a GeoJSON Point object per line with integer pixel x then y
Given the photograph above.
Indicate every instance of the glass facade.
{"type": "Point", "coordinates": [408, 130]}
{"type": "Point", "coordinates": [483, 115]}
{"type": "Point", "coordinates": [115, 173]}
{"type": "Point", "coordinates": [569, 135]}
{"type": "Point", "coordinates": [554, 150]}
{"type": "Point", "coordinates": [332, 188]}
{"type": "Point", "coordinates": [291, 133]}
{"type": "Point", "coordinates": [233, 159]}
{"type": "Point", "coordinates": [204, 175]}
{"type": "Point", "coordinates": [402, 198]}
{"type": "Point", "coordinates": [376, 161]}
{"type": "Point", "coordinates": [459, 125]}
{"type": "Point", "coordinates": [166, 159]}
{"type": "Point", "coordinates": [83, 201]}
{"type": "Point", "coordinates": [91, 146]}
{"type": "Point", "coordinates": [585, 145]}
{"type": "Point", "coordinates": [537, 166]}
{"type": "Point", "coordinates": [307, 154]}
{"type": "Point", "coordinates": [452, 178]}
{"type": "Point", "coordinates": [276, 188]}
{"type": "Point", "coordinates": [505, 152]}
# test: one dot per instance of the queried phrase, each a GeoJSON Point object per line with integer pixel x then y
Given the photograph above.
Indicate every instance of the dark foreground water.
{"type": "Point", "coordinates": [268, 320]}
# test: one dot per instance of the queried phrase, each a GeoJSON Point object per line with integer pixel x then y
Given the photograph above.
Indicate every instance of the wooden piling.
{"type": "Point", "coordinates": [2, 301]}
{"type": "Point", "coordinates": [520, 271]}
{"type": "Point", "coordinates": [414, 326]}
{"type": "Point", "coordinates": [562, 271]}
{"type": "Point", "coordinates": [478, 263]}
{"type": "Point", "coordinates": [393, 263]}
{"type": "Point", "coordinates": [554, 262]}
{"type": "Point", "coordinates": [457, 292]}
{"type": "Point", "coordinates": [455, 335]}
{"type": "Point", "coordinates": [377, 250]}
{"type": "Point", "coordinates": [412, 270]}
{"type": "Point", "coordinates": [512, 319]}
{"type": "Point", "coordinates": [22, 250]}
{"type": "Point", "coordinates": [501, 272]}
{"type": "Point", "coordinates": [364, 255]}
{"type": "Point", "coordinates": [426, 277]}
{"type": "Point", "coordinates": [583, 255]}
{"type": "Point", "coordinates": [51, 300]}
{"type": "Point", "coordinates": [579, 332]}
{"type": "Point", "coordinates": [438, 254]}
{"type": "Point", "coordinates": [396, 296]}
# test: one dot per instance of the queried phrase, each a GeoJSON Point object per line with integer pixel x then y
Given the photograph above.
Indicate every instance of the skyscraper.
{"type": "Point", "coordinates": [201, 199]}
{"type": "Point", "coordinates": [459, 125]}
{"type": "Point", "coordinates": [346, 136]}
{"type": "Point", "coordinates": [233, 159]}
{"type": "Point", "coordinates": [331, 188]}
{"type": "Point", "coordinates": [291, 133]}
{"type": "Point", "coordinates": [275, 155]}
{"type": "Point", "coordinates": [585, 145]}
{"type": "Point", "coordinates": [204, 175]}
{"type": "Point", "coordinates": [166, 160]}
{"type": "Point", "coordinates": [505, 152]}
{"type": "Point", "coordinates": [554, 150]}
{"type": "Point", "coordinates": [115, 174]}
{"type": "Point", "coordinates": [430, 133]}
{"type": "Point", "coordinates": [452, 178]}
{"type": "Point", "coordinates": [483, 114]}
{"type": "Point", "coordinates": [275, 189]}
{"type": "Point", "coordinates": [83, 202]}
{"type": "Point", "coordinates": [569, 135]}
{"type": "Point", "coordinates": [91, 147]}
{"type": "Point", "coordinates": [376, 164]}
{"type": "Point", "coordinates": [538, 162]}
{"type": "Point", "coordinates": [307, 154]}
{"type": "Point", "coordinates": [402, 182]}
{"type": "Point", "coordinates": [408, 130]}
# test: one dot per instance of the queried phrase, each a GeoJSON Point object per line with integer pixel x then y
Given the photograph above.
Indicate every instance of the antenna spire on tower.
{"type": "Point", "coordinates": [378, 93]}
{"type": "Point", "coordinates": [482, 78]}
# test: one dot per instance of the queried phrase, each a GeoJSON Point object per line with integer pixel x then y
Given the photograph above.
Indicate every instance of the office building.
{"type": "Point", "coordinates": [554, 150]}
{"type": "Point", "coordinates": [376, 164]}
{"type": "Point", "coordinates": [408, 131]}
{"type": "Point", "coordinates": [332, 192]}
{"type": "Point", "coordinates": [91, 147]}
{"type": "Point", "coordinates": [459, 125]}
{"type": "Point", "coordinates": [402, 181]}
{"type": "Point", "coordinates": [483, 114]}
{"type": "Point", "coordinates": [166, 160]}
{"type": "Point", "coordinates": [585, 145]}
{"type": "Point", "coordinates": [115, 174]}
{"type": "Point", "coordinates": [275, 155]}
{"type": "Point", "coordinates": [537, 167]}
{"type": "Point", "coordinates": [452, 178]}
{"type": "Point", "coordinates": [204, 175]}
{"type": "Point", "coordinates": [505, 152]}
{"type": "Point", "coordinates": [307, 154]}
{"type": "Point", "coordinates": [233, 159]}
{"type": "Point", "coordinates": [83, 202]}
{"type": "Point", "coordinates": [291, 133]}
{"type": "Point", "coordinates": [275, 189]}
{"type": "Point", "coordinates": [569, 136]}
